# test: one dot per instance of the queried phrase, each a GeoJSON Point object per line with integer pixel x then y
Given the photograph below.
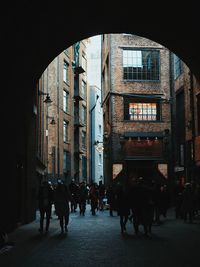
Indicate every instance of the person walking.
{"type": "Point", "coordinates": [123, 206]}
{"type": "Point", "coordinates": [83, 195]}
{"type": "Point", "coordinates": [110, 194]}
{"type": "Point", "coordinates": [62, 199]}
{"type": "Point", "coordinates": [102, 191]}
{"type": "Point", "coordinates": [188, 203]}
{"type": "Point", "coordinates": [94, 197]}
{"type": "Point", "coordinates": [74, 190]}
{"type": "Point", "coordinates": [45, 201]}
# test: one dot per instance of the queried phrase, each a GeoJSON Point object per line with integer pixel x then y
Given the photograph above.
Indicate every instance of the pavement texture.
{"type": "Point", "coordinates": [96, 241]}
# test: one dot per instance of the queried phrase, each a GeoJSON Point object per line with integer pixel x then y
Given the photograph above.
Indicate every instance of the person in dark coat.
{"type": "Point", "coordinates": [94, 197]}
{"type": "Point", "coordinates": [123, 206]}
{"type": "Point", "coordinates": [83, 195]}
{"type": "Point", "coordinates": [62, 199]}
{"type": "Point", "coordinates": [74, 190]}
{"type": "Point", "coordinates": [188, 203]}
{"type": "Point", "coordinates": [110, 194]}
{"type": "Point", "coordinates": [142, 205]}
{"type": "Point", "coordinates": [45, 201]}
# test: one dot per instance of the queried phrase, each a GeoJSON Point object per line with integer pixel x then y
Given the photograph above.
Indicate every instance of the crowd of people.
{"type": "Point", "coordinates": [142, 202]}
{"type": "Point", "coordinates": [66, 199]}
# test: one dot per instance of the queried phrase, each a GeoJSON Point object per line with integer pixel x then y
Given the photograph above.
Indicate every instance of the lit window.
{"type": "Point", "coordinates": [143, 111]}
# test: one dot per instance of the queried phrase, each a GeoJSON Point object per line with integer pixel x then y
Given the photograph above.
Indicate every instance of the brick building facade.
{"type": "Point", "coordinates": [187, 130]}
{"type": "Point", "coordinates": [137, 110]}
{"type": "Point", "coordinates": [63, 124]}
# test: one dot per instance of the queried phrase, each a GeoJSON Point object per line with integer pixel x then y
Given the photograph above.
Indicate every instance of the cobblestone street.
{"type": "Point", "coordinates": [97, 241]}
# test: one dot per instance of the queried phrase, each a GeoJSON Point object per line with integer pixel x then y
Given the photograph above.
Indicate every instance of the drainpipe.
{"type": "Point", "coordinates": [192, 121]}
{"type": "Point", "coordinates": [173, 116]}
{"type": "Point", "coordinates": [58, 119]}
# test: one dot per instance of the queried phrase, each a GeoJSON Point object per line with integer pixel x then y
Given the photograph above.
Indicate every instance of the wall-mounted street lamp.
{"type": "Point", "coordinates": [99, 145]}
{"type": "Point", "coordinates": [52, 122]}
{"type": "Point", "coordinates": [47, 99]}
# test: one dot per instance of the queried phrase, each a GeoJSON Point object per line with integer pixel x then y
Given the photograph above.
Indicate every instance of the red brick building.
{"type": "Point", "coordinates": [136, 102]}
{"type": "Point", "coordinates": [63, 123]}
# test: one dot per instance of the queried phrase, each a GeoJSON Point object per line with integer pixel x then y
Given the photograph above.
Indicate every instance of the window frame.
{"type": "Point", "coordinates": [139, 100]}
{"type": "Point", "coordinates": [141, 74]}
{"type": "Point", "coordinates": [65, 101]}
{"type": "Point", "coordinates": [65, 131]}
{"type": "Point", "coordinates": [65, 71]}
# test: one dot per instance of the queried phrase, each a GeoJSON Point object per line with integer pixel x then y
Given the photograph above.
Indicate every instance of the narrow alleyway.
{"type": "Point", "coordinates": [97, 241]}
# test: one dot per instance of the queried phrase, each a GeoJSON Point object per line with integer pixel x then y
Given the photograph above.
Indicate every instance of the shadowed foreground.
{"type": "Point", "coordinates": [97, 241]}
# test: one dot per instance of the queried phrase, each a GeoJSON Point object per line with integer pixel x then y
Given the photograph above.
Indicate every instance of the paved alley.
{"type": "Point", "coordinates": [97, 241]}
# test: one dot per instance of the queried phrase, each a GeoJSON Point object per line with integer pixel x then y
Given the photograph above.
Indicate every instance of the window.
{"type": "Point", "coordinates": [65, 72]}
{"type": "Point", "coordinates": [65, 131]}
{"type": "Point", "coordinates": [141, 65]}
{"type": "Point", "coordinates": [66, 161]}
{"type": "Point", "coordinates": [177, 67]}
{"type": "Point", "coordinates": [100, 129]}
{"type": "Point", "coordinates": [148, 110]}
{"type": "Point", "coordinates": [84, 93]}
{"type": "Point", "coordinates": [142, 111]}
{"type": "Point", "coordinates": [84, 167]}
{"type": "Point", "coordinates": [83, 114]}
{"type": "Point", "coordinates": [84, 62]}
{"type": "Point", "coordinates": [100, 159]}
{"type": "Point", "coordinates": [84, 139]}
{"type": "Point", "coordinates": [66, 51]}
{"type": "Point", "coordinates": [65, 101]}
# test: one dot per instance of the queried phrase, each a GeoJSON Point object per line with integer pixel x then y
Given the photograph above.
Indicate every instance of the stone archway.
{"type": "Point", "coordinates": [34, 34]}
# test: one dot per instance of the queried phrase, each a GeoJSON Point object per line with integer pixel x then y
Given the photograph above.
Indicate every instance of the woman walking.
{"type": "Point", "coordinates": [62, 199]}
{"type": "Point", "coordinates": [123, 207]}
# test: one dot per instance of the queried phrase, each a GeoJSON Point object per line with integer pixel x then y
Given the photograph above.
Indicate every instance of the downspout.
{"type": "Point", "coordinates": [58, 118]}
{"type": "Point", "coordinates": [192, 122]}
{"type": "Point", "coordinates": [172, 102]}
{"type": "Point", "coordinates": [111, 109]}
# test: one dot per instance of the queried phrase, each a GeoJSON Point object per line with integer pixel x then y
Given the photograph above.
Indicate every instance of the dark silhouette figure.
{"type": "Point", "coordinates": [187, 203]}
{"type": "Point", "coordinates": [45, 201]}
{"type": "Point", "coordinates": [123, 206]}
{"type": "Point", "coordinates": [142, 205]}
{"type": "Point", "coordinates": [101, 189]}
{"type": "Point", "coordinates": [62, 199]}
{"type": "Point", "coordinates": [83, 195]}
{"type": "Point", "coordinates": [74, 190]}
{"type": "Point", "coordinates": [110, 194]}
{"type": "Point", "coordinates": [178, 196]}
{"type": "Point", "coordinates": [94, 197]}
{"type": "Point", "coordinates": [164, 200]}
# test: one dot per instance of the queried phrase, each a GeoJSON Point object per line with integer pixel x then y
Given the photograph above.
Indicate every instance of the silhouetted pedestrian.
{"type": "Point", "coordinates": [110, 194]}
{"type": "Point", "coordinates": [188, 203]}
{"type": "Point", "coordinates": [45, 201]}
{"type": "Point", "coordinates": [83, 195]}
{"type": "Point", "coordinates": [123, 206]}
{"type": "Point", "coordinates": [74, 190]}
{"type": "Point", "coordinates": [94, 197]}
{"type": "Point", "coordinates": [62, 199]}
